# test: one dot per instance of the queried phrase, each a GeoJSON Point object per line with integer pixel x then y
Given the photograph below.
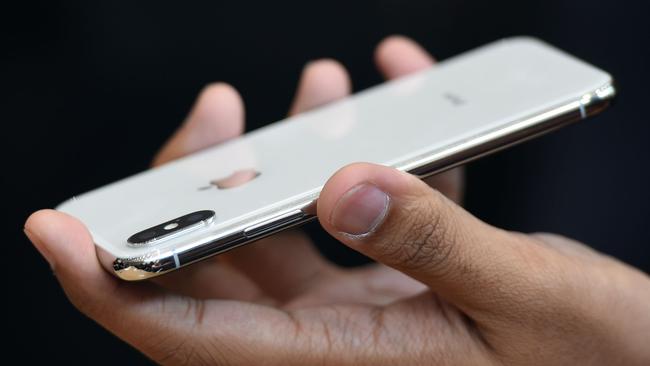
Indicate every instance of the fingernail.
{"type": "Point", "coordinates": [39, 245]}
{"type": "Point", "coordinates": [360, 210]}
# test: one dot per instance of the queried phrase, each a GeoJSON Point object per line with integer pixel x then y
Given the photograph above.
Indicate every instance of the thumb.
{"type": "Point", "coordinates": [396, 219]}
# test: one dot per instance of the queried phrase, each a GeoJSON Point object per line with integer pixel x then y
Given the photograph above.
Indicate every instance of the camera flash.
{"type": "Point", "coordinates": [171, 226]}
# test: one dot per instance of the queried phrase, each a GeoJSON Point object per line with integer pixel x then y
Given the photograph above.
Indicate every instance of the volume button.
{"type": "Point", "coordinates": [273, 224]}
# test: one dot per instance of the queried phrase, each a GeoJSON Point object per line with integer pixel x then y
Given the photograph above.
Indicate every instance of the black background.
{"type": "Point", "coordinates": [92, 89]}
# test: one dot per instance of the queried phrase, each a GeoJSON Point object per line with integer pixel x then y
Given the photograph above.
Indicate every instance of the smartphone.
{"type": "Point", "coordinates": [269, 180]}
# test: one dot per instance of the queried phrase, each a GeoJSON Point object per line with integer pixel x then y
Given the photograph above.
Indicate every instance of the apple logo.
{"type": "Point", "coordinates": [235, 179]}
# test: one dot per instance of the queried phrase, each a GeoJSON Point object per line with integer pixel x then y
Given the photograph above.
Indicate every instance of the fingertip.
{"type": "Point", "coordinates": [52, 225]}
{"type": "Point", "coordinates": [322, 81]}
{"type": "Point", "coordinates": [219, 103]}
{"type": "Point", "coordinates": [398, 55]}
{"type": "Point", "coordinates": [388, 44]}
{"type": "Point", "coordinates": [219, 87]}
{"type": "Point", "coordinates": [34, 225]}
{"type": "Point", "coordinates": [54, 229]}
{"type": "Point", "coordinates": [57, 231]}
{"type": "Point", "coordinates": [327, 72]}
{"type": "Point", "coordinates": [217, 116]}
{"type": "Point", "coordinates": [38, 218]}
{"type": "Point", "coordinates": [67, 245]}
{"type": "Point", "coordinates": [218, 90]}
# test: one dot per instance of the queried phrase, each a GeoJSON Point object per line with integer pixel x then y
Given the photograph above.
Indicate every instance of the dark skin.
{"type": "Point", "coordinates": [448, 289]}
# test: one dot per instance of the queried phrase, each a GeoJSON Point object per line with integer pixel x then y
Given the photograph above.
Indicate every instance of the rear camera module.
{"type": "Point", "coordinates": [172, 228]}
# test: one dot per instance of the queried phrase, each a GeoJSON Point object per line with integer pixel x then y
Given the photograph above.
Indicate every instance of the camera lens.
{"type": "Point", "coordinates": [143, 236]}
{"type": "Point", "coordinates": [197, 216]}
{"type": "Point", "coordinates": [192, 218]}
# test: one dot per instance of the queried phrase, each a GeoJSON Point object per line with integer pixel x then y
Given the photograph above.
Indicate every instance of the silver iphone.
{"type": "Point", "coordinates": [269, 180]}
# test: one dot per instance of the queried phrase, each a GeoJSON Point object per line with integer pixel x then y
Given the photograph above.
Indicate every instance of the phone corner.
{"type": "Point", "coordinates": [136, 268]}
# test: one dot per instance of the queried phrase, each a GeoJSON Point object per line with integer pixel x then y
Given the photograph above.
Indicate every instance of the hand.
{"type": "Point", "coordinates": [450, 290]}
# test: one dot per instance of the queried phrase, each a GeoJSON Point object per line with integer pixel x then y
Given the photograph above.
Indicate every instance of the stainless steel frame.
{"type": "Point", "coordinates": [303, 209]}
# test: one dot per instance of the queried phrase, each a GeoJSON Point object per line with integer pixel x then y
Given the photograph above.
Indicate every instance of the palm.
{"type": "Point", "coordinates": [371, 285]}
{"type": "Point", "coordinates": [326, 307]}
